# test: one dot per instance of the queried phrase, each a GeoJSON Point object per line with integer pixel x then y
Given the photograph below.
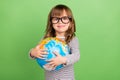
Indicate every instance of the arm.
{"type": "Point", "coordinates": [75, 52]}
{"type": "Point", "coordinates": [33, 51]}
{"type": "Point", "coordinates": [30, 56]}
{"type": "Point", "coordinates": [37, 53]}
{"type": "Point", "coordinates": [69, 59]}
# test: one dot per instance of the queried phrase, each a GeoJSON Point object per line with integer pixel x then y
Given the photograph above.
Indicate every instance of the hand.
{"type": "Point", "coordinates": [39, 53]}
{"type": "Point", "coordinates": [57, 60]}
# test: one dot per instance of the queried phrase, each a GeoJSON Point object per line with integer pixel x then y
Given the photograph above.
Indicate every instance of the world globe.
{"type": "Point", "coordinates": [52, 44]}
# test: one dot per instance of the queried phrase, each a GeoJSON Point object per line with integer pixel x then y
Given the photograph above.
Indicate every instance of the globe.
{"type": "Point", "coordinates": [52, 44]}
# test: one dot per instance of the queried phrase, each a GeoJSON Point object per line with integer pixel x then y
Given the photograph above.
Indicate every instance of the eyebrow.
{"type": "Point", "coordinates": [60, 17]}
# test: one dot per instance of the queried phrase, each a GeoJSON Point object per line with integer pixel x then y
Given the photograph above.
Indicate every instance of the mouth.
{"type": "Point", "coordinates": [61, 26]}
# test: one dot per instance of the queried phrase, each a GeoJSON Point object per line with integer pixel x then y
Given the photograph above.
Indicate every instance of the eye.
{"type": "Point", "coordinates": [55, 19]}
{"type": "Point", "coordinates": [65, 18]}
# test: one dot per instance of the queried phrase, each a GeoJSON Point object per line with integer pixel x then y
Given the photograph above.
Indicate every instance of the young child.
{"type": "Point", "coordinates": [60, 24]}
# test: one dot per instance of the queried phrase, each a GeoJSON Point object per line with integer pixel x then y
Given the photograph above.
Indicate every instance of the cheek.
{"type": "Point", "coordinates": [67, 25]}
{"type": "Point", "coordinates": [54, 26]}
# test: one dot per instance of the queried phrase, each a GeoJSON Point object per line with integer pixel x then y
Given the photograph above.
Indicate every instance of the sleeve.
{"type": "Point", "coordinates": [75, 52]}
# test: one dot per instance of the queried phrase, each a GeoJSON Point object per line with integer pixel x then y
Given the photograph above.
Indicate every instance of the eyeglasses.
{"type": "Point", "coordinates": [64, 19]}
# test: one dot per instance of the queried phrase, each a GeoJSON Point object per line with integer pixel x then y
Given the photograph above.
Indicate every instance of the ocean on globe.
{"type": "Point", "coordinates": [52, 44]}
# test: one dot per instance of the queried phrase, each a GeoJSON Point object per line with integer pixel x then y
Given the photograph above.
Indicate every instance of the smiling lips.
{"type": "Point", "coordinates": [60, 26]}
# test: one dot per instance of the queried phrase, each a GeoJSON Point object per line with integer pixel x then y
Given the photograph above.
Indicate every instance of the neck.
{"type": "Point", "coordinates": [60, 34]}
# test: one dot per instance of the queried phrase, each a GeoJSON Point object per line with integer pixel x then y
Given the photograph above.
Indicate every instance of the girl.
{"type": "Point", "coordinates": [60, 24]}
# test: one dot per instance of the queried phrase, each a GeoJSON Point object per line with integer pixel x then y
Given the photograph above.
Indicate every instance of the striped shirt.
{"type": "Point", "coordinates": [67, 72]}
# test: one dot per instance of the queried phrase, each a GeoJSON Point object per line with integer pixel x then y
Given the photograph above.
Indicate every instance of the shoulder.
{"type": "Point", "coordinates": [74, 41]}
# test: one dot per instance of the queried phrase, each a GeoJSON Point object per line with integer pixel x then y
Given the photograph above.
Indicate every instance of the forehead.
{"type": "Point", "coordinates": [59, 13]}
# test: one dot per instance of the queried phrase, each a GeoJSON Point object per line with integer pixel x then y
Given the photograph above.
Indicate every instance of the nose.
{"type": "Point", "coordinates": [60, 20]}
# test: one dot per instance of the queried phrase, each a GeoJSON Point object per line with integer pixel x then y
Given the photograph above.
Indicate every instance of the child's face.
{"type": "Point", "coordinates": [61, 23]}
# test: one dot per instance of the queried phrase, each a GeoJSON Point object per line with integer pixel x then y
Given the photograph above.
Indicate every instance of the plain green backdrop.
{"type": "Point", "coordinates": [22, 24]}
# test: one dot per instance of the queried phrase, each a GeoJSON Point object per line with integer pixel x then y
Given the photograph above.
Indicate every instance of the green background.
{"type": "Point", "coordinates": [22, 24]}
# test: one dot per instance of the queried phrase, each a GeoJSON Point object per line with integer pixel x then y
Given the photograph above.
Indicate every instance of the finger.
{"type": "Point", "coordinates": [44, 53]}
{"type": "Point", "coordinates": [49, 66]}
{"type": "Point", "coordinates": [51, 63]}
{"type": "Point", "coordinates": [54, 68]}
{"type": "Point", "coordinates": [41, 52]}
{"type": "Point", "coordinates": [50, 60]}
{"type": "Point", "coordinates": [44, 50]}
{"type": "Point", "coordinates": [56, 53]}
{"type": "Point", "coordinates": [41, 58]}
{"type": "Point", "coordinates": [44, 56]}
